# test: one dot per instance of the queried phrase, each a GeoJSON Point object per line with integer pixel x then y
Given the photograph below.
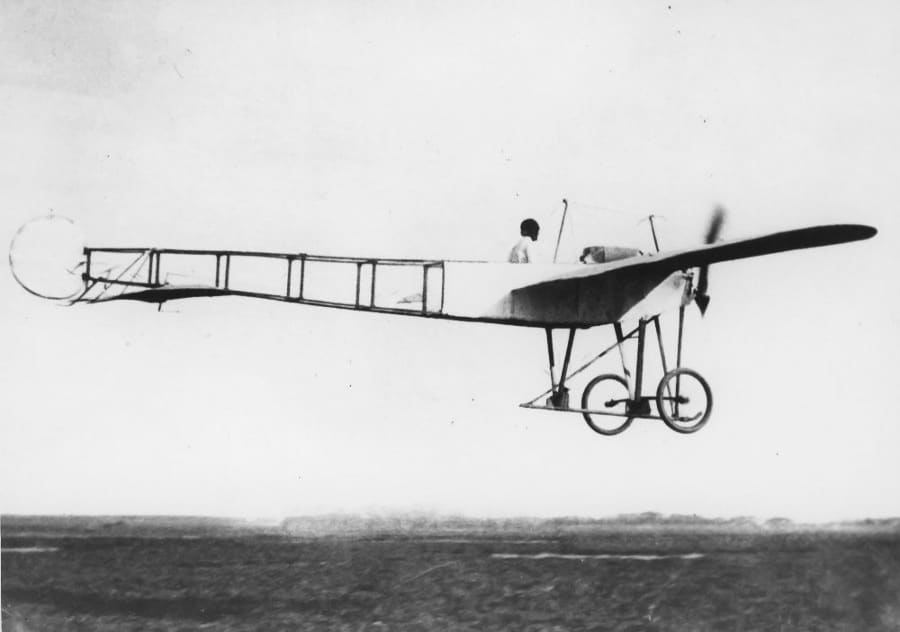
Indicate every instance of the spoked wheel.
{"type": "Point", "coordinates": [684, 400]}
{"type": "Point", "coordinates": [607, 393]}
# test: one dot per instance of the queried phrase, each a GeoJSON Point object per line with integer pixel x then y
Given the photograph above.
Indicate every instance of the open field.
{"type": "Point", "coordinates": [620, 577]}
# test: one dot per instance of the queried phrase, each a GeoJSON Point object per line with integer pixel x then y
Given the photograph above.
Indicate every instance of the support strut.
{"type": "Point", "coordinates": [638, 404]}
{"type": "Point", "coordinates": [552, 361]}
{"type": "Point", "coordinates": [559, 394]}
{"type": "Point", "coordinates": [678, 357]}
{"type": "Point", "coordinates": [639, 370]}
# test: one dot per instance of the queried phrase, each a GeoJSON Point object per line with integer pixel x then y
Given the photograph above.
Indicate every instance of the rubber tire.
{"type": "Point", "coordinates": [663, 410]}
{"type": "Point", "coordinates": [584, 402]}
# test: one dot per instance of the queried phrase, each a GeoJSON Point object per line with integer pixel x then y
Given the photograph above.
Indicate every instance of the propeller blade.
{"type": "Point", "coordinates": [712, 234]}
{"type": "Point", "coordinates": [715, 225]}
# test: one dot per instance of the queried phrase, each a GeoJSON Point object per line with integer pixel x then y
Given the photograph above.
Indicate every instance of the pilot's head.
{"type": "Point", "coordinates": [529, 228]}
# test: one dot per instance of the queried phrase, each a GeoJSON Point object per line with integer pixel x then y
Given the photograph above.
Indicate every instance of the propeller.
{"type": "Point", "coordinates": [712, 234]}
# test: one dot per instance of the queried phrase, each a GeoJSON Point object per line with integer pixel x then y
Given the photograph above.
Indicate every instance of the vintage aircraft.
{"type": "Point", "coordinates": [626, 286]}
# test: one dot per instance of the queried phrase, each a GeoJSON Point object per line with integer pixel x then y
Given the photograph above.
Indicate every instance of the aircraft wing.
{"type": "Point", "coordinates": [797, 239]}
{"type": "Point", "coordinates": [606, 293]}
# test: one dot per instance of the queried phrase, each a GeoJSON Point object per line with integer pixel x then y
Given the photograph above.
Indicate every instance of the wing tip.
{"type": "Point", "coordinates": [853, 232]}
{"type": "Point", "coordinates": [867, 231]}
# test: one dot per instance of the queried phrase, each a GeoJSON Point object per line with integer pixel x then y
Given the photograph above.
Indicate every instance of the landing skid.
{"type": "Point", "coordinates": [586, 411]}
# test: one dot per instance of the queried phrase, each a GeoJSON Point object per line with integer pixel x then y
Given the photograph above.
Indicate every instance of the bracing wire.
{"type": "Point", "coordinates": [587, 364]}
{"type": "Point", "coordinates": [623, 226]}
{"type": "Point", "coordinates": [142, 258]}
{"type": "Point", "coordinates": [615, 211]}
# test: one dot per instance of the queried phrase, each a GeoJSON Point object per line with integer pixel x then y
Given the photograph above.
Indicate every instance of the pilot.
{"type": "Point", "coordinates": [523, 251]}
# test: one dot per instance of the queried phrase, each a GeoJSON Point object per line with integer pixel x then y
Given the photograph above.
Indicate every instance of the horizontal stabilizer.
{"type": "Point", "coordinates": [164, 293]}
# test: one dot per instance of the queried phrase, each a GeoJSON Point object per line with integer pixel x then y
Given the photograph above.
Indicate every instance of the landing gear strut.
{"type": "Point", "coordinates": [610, 403]}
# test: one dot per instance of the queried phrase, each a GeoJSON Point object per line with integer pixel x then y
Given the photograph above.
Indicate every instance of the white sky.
{"type": "Point", "coordinates": [432, 129]}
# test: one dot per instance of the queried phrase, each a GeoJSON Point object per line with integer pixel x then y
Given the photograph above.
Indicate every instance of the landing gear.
{"type": "Point", "coordinates": [610, 402]}
{"type": "Point", "coordinates": [607, 397]}
{"type": "Point", "coordinates": [684, 400]}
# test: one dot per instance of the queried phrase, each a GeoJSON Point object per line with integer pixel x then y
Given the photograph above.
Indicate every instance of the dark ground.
{"type": "Point", "coordinates": [220, 579]}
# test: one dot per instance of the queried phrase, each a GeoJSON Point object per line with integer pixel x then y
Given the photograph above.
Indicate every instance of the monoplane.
{"type": "Point", "coordinates": [612, 286]}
